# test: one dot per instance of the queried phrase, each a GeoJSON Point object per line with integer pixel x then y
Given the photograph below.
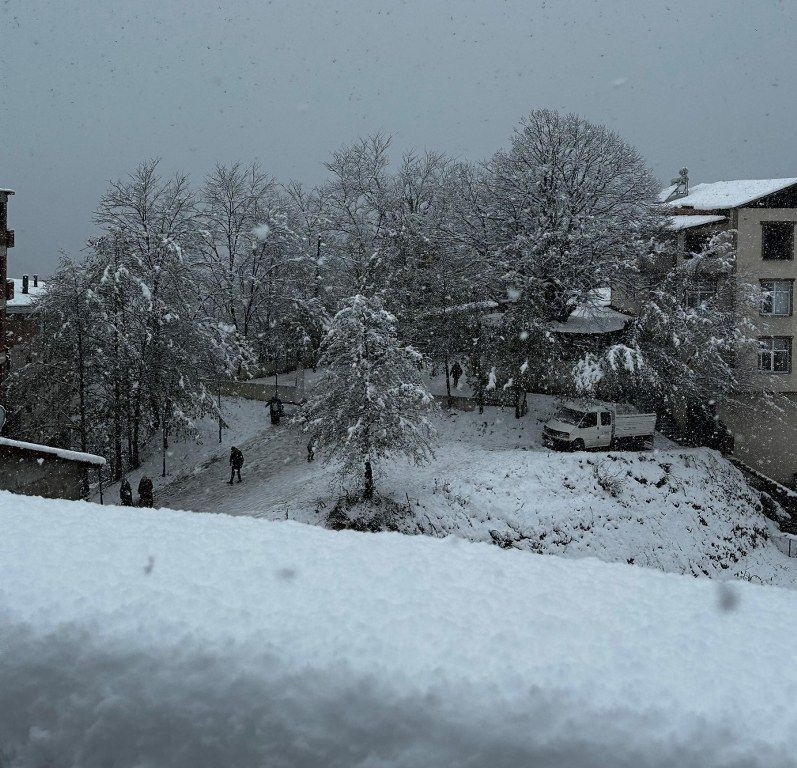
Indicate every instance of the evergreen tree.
{"type": "Point", "coordinates": [370, 402]}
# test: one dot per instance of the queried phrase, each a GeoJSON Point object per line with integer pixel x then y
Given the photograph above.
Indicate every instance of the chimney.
{"type": "Point", "coordinates": [24, 284]}
{"type": "Point", "coordinates": [9, 290]}
{"type": "Point", "coordinates": [35, 281]}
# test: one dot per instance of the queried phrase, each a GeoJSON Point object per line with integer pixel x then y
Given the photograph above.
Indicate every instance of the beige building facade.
{"type": "Point", "coordinates": [761, 216]}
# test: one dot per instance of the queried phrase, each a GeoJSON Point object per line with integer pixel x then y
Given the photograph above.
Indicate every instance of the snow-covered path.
{"type": "Point", "coordinates": [276, 479]}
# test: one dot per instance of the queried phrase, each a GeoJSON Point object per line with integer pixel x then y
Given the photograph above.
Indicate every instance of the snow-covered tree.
{"type": "Point", "coordinates": [235, 201]}
{"type": "Point", "coordinates": [126, 345]}
{"type": "Point", "coordinates": [567, 209]}
{"type": "Point", "coordinates": [357, 201]}
{"type": "Point", "coordinates": [370, 402]}
{"type": "Point", "coordinates": [51, 393]}
{"type": "Point", "coordinates": [571, 206]}
{"type": "Point", "coordinates": [681, 352]}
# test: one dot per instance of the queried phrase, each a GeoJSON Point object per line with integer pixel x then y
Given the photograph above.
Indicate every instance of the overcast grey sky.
{"type": "Point", "coordinates": [88, 88]}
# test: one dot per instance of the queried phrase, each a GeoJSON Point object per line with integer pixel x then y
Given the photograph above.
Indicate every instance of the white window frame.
{"type": "Point", "coordinates": [700, 291]}
{"type": "Point", "coordinates": [771, 350]}
{"type": "Point", "coordinates": [780, 287]}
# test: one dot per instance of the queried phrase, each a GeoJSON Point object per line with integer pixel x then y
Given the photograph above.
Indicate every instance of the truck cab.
{"type": "Point", "coordinates": [579, 426]}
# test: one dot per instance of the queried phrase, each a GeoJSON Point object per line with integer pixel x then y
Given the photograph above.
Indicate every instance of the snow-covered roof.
{"type": "Point", "coordinates": [687, 222]}
{"type": "Point", "coordinates": [25, 299]}
{"type": "Point", "coordinates": [472, 306]}
{"type": "Point", "coordinates": [718, 195]}
{"type": "Point", "coordinates": [7, 191]}
{"type": "Point", "coordinates": [594, 317]}
{"type": "Point", "coordinates": [592, 320]}
{"type": "Point", "coordinates": [61, 453]}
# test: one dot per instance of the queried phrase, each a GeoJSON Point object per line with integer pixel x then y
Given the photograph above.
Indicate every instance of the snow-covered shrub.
{"type": "Point", "coordinates": [610, 477]}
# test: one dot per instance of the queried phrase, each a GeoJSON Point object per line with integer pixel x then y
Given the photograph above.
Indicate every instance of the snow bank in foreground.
{"type": "Point", "coordinates": [155, 638]}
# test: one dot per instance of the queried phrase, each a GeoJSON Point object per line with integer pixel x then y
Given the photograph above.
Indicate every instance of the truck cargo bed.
{"type": "Point", "coordinates": [634, 424]}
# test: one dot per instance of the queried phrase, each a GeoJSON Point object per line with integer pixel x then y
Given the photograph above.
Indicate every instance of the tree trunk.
{"type": "Point", "coordinates": [165, 434]}
{"type": "Point", "coordinates": [368, 487]}
{"type": "Point", "coordinates": [448, 382]}
{"type": "Point", "coordinates": [135, 459]}
{"type": "Point", "coordinates": [219, 403]}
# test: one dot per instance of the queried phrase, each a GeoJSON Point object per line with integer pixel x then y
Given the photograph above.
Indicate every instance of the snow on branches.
{"type": "Point", "coordinates": [370, 401]}
{"type": "Point", "coordinates": [683, 345]}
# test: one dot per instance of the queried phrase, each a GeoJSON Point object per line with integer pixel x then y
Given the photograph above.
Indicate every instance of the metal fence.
{"type": "Point", "coordinates": [259, 390]}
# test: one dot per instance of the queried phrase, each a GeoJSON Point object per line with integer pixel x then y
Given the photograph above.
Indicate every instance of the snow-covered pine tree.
{"type": "Point", "coordinates": [370, 402]}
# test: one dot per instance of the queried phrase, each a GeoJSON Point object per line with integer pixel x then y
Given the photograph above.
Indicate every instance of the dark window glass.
{"type": "Point", "coordinates": [590, 420]}
{"type": "Point", "coordinates": [606, 419]}
{"type": "Point", "coordinates": [695, 240]}
{"type": "Point", "coordinates": [777, 240]}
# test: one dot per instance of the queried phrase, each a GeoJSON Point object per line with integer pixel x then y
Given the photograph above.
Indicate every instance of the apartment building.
{"type": "Point", "coordinates": [762, 214]}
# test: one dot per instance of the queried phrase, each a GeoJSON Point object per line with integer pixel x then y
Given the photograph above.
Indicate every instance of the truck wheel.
{"type": "Point", "coordinates": [578, 445]}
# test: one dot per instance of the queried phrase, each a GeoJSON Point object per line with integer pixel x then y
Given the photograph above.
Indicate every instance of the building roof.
{"type": "Point", "coordinates": [61, 453]}
{"type": "Point", "coordinates": [720, 195]}
{"type": "Point", "coordinates": [21, 301]}
{"type": "Point", "coordinates": [687, 222]}
{"type": "Point", "coordinates": [594, 317]}
{"type": "Point", "coordinates": [7, 191]}
{"type": "Point", "coordinates": [591, 320]}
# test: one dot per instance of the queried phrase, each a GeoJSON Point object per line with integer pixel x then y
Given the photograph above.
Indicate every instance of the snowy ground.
{"type": "Point", "coordinates": [680, 510]}
{"type": "Point", "coordinates": [162, 638]}
{"type": "Point", "coordinates": [191, 455]}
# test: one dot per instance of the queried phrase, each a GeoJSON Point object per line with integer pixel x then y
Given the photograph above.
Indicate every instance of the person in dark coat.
{"type": "Point", "coordinates": [275, 409]}
{"type": "Point", "coordinates": [126, 494]}
{"type": "Point", "coordinates": [236, 462]}
{"type": "Point", "coordinates": [311, 451]}
{"type": "Point", "coordinates": [145, 493]}
{"type": "Point", "coordinates": [456, 372]}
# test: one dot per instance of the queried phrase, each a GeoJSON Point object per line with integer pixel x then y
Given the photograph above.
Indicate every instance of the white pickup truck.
{"type": "Point", "coordinates": [581, 425]}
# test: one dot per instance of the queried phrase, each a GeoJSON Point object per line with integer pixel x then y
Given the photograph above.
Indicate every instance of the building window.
{"type": "Point", "coordinates": [777, 240]}
{"type": "Point", "coordinates": [774, 354]}
{"type": "Point", "coordinates": [695, 241]}
{"type": "Point", "coordinates": [776, 297]}
{"type": "Point", "coordinates": [699, 292]}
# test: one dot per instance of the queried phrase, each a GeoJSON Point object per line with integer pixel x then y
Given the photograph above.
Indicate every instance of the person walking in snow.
{"type": "Point", "coordinates": [456, 372]}
{"type": "Point", "coordinates": [126, 494]}
{"type": "Point", "coordinates": [275, 409]}
{"type": "Point", "coordinates": [145, 492]}
{"type": "Point", "coordinates": [236, 462]}
{"type": "Point", "coordinates": [311, 450]}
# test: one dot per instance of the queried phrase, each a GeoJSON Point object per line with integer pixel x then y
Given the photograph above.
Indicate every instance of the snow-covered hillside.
{"type": "Point", "coordinates": [680, 510]}
{"type": "Point", "coordinates": [152, 637]}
